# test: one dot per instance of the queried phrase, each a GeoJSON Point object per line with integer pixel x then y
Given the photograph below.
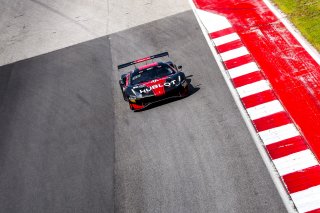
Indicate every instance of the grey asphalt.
{"type": "Point", "coordinates": [56, 131]}
{"type": "Point", "coordinates": [69, 143]}
{"type": "Point", "coordinates": [190, 155]}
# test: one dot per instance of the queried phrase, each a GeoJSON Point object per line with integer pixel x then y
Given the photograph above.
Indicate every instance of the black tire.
{"type": "Point", "coordinates": [185, 91]}
{"type": "Point", "coordinates": [123, 94]}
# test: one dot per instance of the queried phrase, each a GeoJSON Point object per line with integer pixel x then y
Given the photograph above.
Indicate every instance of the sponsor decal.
{"type": "Point", "coordinates": [156, 86]}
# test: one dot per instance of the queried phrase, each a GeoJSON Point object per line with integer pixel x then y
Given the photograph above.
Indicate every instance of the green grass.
{"type": "Point", "coordinates": [305, 15]}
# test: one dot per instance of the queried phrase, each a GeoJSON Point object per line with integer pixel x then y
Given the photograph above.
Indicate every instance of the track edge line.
{"type": "Point", "coordinates": [263, 152]}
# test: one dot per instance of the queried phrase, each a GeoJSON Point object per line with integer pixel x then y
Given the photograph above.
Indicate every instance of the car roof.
{"type": "Point", "coordinates": [148, 66]}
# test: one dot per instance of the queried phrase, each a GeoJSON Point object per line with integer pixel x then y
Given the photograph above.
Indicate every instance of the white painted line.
{"type": "Point", "coordinates": [307, 200]}
{"type": "Point", "coordinates": [257, 140]}
{"type": "Point", "coordinates": [253, 88]}
{"type": "Point", "coordinates": [295, 162]}
{"type": "Point", "coordinates": [225, 39]}
{"type": "Point", "coordinates": [243, 70]}
{"type": "Point", "coordinates": [213, 22]}
{"type": "Point", "coordinates": [265, 109]}
{"type": "Point", "coordinates": [235, 53]}
{"type": "Point", "coordinates": [277, 134]}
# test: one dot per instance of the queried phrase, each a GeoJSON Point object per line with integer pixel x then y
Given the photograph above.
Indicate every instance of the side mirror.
{"type": "Point", "coordinates": [179, 67]}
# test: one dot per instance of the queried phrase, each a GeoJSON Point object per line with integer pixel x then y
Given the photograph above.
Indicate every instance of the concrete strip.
{"type": "Point", "coordinates": [34, 27]}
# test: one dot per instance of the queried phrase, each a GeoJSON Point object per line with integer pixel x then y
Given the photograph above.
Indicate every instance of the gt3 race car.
{"type": "Point", "coordinates": [153, 82]}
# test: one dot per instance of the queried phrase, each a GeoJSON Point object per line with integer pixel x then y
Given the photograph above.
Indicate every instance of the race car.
{"type": "Point", "coordinates": [152, 82]}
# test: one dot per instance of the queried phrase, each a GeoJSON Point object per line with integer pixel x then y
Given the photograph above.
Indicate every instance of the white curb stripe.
{"type": "Point", "coordinates": [235, 53]}
{"type": "Point", "coordinates": [295, 162]}
{"type": "Point", "coordinates": [307, 200]}
{"type": "Point", "coordinates": [210, 22]}
{"type": "Point", "coordinates": [265, 109]}
{"type": "Point", "coordinates": [277, 134]}
{"type": "Point", "coordinates": [243, 70]}
{"type": "Point", "coordinates": [270, 136]}
{"type": "Point", "coordinates": [253, 88]}
{"type": "Point", "coordinates": [225, 39]}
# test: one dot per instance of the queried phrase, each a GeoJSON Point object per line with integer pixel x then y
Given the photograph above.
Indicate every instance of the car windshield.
{"type": "Point", "coordinates": [151, 73]}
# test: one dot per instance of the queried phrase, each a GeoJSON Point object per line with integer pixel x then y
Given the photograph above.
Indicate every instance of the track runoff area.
{"type": "Point", "coordinates": [274, 76]}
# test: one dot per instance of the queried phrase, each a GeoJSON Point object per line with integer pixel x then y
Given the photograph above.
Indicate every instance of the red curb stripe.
{"type": "Point", "coordinates": [238, 61]}
{"type": "Point", "coordinates": [229, 46]}
{"type": "Point", "coordinates": [248, 79]}
{"type": "Point", "coordinates": [314, 211]}
{"type": "Point", "coordinates": [281, 71]}
{"type": "Point", "coordinates": [298, 97]}
{"type": "Point", "coordinates": [272, 121]}
{"type": "Point", "coordinates": [302, 180]}
{"type": "Point", "coordinates": [221, 33]}
{"type": "Point", "coordinates": [286, 147]}
{"type": "Point", "coordinates": [258, 98]}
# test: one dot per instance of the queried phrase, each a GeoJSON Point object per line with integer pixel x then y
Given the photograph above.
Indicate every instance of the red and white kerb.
{"type": "Point", "coordinates": [296, 164]}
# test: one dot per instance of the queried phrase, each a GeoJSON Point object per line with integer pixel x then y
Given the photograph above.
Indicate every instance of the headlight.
{"type": "Point", "coordinates": [137, 95]}
{"type": "Point", "coordinates": [132, 98]}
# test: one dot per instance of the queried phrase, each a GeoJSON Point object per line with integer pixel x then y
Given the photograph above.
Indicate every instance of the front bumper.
{"type": "Point", "coordinates": [178, 92]}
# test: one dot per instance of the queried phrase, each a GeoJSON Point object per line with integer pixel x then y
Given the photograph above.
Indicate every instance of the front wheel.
{"type": "Point", "coordinates": [123, 94]}
{"type": "Point", "coordinates": [124, 97]}
{"type": "Point", "coordinates": [131, 106]}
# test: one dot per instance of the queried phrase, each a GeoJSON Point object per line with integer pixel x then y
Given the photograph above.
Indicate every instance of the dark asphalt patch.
{"type": "Point", "coordinates": [56, 131]}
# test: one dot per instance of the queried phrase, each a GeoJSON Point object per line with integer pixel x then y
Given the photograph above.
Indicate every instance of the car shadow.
{"type": "Point", "coordinates": [192, 90]}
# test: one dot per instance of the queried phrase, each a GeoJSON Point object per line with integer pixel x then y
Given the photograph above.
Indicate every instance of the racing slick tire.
{"type": "Point", "coordinates": [124, 96]}
{"type": "Point", "coordinates": [185, 91]}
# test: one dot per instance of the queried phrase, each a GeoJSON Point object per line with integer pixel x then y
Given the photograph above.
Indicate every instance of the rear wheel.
{"type": "Point", "coordinates": [123, 94]}
{"type": "Point", "coordinates": [185, 91]}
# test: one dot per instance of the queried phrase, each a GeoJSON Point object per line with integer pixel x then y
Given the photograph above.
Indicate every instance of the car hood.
{"type": "Point", "coordinates": [157, 87]}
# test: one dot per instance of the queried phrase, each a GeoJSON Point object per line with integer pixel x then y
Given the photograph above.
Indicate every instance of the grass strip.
{"type": "Point", "coordinates": [305, 15]}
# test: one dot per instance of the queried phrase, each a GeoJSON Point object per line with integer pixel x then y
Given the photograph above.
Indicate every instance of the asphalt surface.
{"type": "Point", "coordinates": [69, 143]}
{"type": "Point", "coordinates": [190, 155]}
{"type": "Point", "coordinates": [56, 131]}
{"type": "Point", "coordinates": [36, 27]}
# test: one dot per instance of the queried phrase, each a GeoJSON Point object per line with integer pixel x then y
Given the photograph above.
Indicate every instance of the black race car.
{"type": "Point", "coordinates": [152, 82]}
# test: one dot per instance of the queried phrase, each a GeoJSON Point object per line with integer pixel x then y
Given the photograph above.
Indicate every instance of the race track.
{"type": "Point", "coordinates": [69, 143]}
{"type": "Point", "coordinates": [56, 130]}
{"type": "Point", "coordinates": [190, 155]}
